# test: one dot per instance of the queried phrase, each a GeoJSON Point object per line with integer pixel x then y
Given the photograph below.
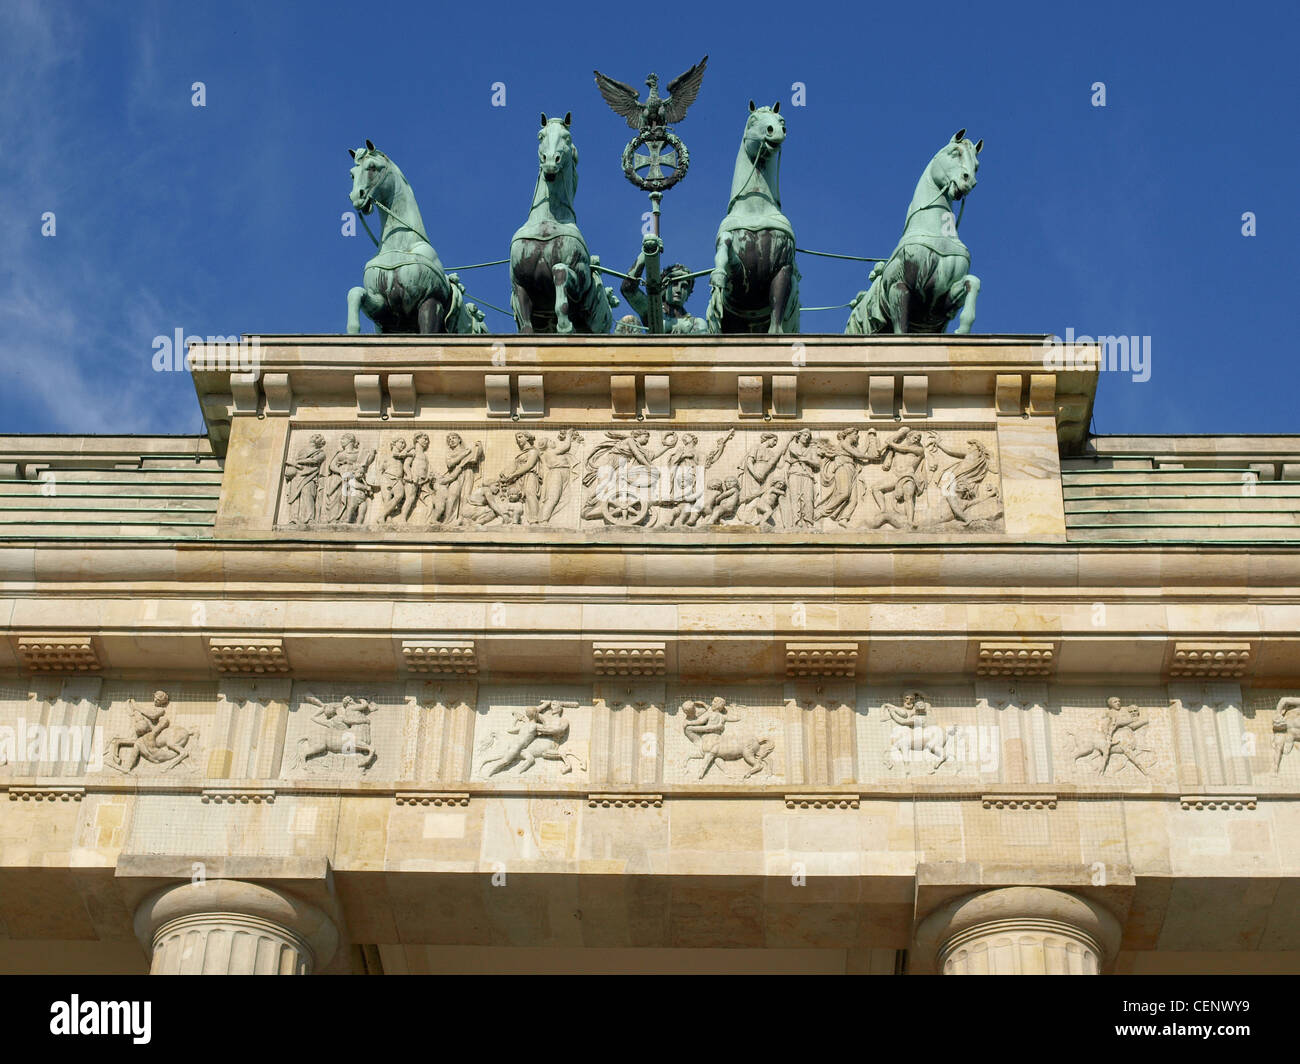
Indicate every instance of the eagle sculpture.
{"type": "Point", "coordinates": [655, 111]}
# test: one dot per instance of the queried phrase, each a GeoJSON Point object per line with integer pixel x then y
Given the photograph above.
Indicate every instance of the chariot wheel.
{"type": "Point", "coordinates": [625, 508]}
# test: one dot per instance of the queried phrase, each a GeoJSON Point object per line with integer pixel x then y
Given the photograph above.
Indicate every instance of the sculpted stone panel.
{"type": "Point", "coordinates": [526, 737]}
{"type": "Point", "coordinates": [1268, 742]}
{"type": "Point", "coordinates": [152, 739]}
{"type": "Point", "coordinates": [791, 480]}
{"type": "Point", "coordinates": [729, 737]}
{"type": "Point", "coordinates": [343, 731]}
{"type": "Point", "coordinates": [1118, 737]}
{"type": "Point", "coordinates": [933, 731]}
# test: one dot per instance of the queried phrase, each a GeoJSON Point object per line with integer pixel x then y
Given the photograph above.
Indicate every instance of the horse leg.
{"type": "Point", "coordinates": [522, 305]}
{"type": "Point", "coordinates": [779, 293]}
{"type": "Point", "coordinates": [900, 295]}
{"type": "Point", "coordinates": [355, 297]}
{"type": "Point", "coordinates": [429, 315]}
{"type": "Point", "coordinates": [966, 290]}
{"type": "Point", "coordinates": [370, 302]}
{"type": "Point", "coordinates": [718, 285]}
{"type": "Point", "coordinates": [560, 274]}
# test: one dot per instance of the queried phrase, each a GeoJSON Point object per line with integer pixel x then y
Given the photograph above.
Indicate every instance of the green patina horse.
{"type": "Point", "coordinates": [755, 284]}
{"type": "Point", "coordinates": [555, 288]}
{"type": "Point", "coordinates": [405, 289]}
{"type": "Point", "coordinates": [927, 280]}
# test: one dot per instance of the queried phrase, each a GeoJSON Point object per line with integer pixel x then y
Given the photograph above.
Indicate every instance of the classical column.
{"type": "Point", "coordinates": [229, 927]}
{"type": "Point", "coordinates": [1018, 931]}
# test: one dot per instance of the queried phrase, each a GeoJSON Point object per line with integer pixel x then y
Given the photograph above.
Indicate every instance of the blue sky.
{"type": "Point", "coordinates": [225, 218]}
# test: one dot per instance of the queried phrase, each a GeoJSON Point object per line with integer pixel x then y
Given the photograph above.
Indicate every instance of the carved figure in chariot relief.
{"type": "Point", "coordinates": [453, 500]}
{"type": "Point", "coordinates": [346, 488]}
{"type": "Point", "coordinates": [719, 502]}
{"type": "Point", "coordinates": [706, 726]}
{"type": "Point", "coordinates": [155, 738]}
{"type": "Point", "coordinates": [962, 485]}
{"type": "Point", "coordinates": [805, 456]}
{"type": "Point", "coordinates": [539, 732]}
{"type": "Point", "coordinates": [303, 474]}
{"type": "Point", "coordinates": [1286, 729]}
{"type": "Point", "coordinates": [1117, 737]}
{"type": "Point", "coordinates": [840, 474]}
{"type": "Point", "coordinates": [417, 476]}
{"type": "Point", "coordinates": [392, 480]}
{"type": "Point", "coordinates": [347, 731]}
{"type": "Point", "coordinates": [526, 474]}
{"type": "Point", "coordinates": [758, 464]}
{"type": "Point", "coordinates": [903, 456]}
{"type": "Point", "coordinates": [763, 510]}
{"type": "Point", "coordinates": [556, 461]}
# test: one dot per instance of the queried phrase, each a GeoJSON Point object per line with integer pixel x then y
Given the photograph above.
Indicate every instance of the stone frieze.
{"type": "Point", "coordinates": [796, 480]}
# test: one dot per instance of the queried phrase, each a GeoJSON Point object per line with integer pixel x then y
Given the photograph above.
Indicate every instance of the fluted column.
{"type": "Point", "coordinates": [1019, 931]}
{"type": "Point", "coordinates": [229, 927]}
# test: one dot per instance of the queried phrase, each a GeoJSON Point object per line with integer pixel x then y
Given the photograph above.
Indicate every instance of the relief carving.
{"type": "Point", "coordinates": [1286, 729]}
{"type": "Point", "coordinates": [155, 739]}
{"type": "Point", "coordinates": [781, 481]}
{"type": "Point", "coordinates": [1117, 740]}
{"type": "Point", "coordinates": [302, 474]}
{"type": "Point", "coordinates": [913, 738]}
{"type": "Point", "coordinates": [705, 728]}
{"type": "Point", "coordinates": [346, 732]}
{"type": "Point", "coordinates": [539, 732]}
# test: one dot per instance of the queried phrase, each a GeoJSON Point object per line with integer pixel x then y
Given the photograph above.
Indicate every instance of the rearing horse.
{"type": "Point", "coordinates": [405, 289]}
{"type": "Point", "coordinates": [755, 284]}
{"type": "Point", "coordinates": [555, 288]}
{"type": "Point", "coordinates": [927, 279]}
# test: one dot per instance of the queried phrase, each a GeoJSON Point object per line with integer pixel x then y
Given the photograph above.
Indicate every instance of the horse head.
{"type": "Point", "coordinates": [372, 177]}
{"type": "Point", "coordinates": [953, 169]}
{"type": "Point", "coordinates": [764, 133]}
{"type": "Point", "coordinates": [759, 159]}
{"type": "Point", "coordinates": [556, 153]}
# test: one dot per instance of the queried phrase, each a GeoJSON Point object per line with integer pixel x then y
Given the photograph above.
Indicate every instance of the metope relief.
{"type": "Point", "coordinates": [1117, 742]}
{"type": "Point", "coordinates": [796, 480]}
{"type": "Point", "coordinates": [712, 729]}
{"type": "Point", "coordinates": [154, 739]}
{"type": "Point", "coordinates": [1286, 729]}
{"type": "Point", "coordinates": [916, 742]}
{"type": "Point", "coordinates": [537, 733]}
{"type": "Point", "coordinates": [341, 734]}
{"type": "Point", "coordinates": [526, 735]}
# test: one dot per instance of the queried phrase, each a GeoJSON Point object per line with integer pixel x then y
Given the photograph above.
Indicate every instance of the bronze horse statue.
{"type": "Point", "coordinates": [405, 288]}
{"type": "Point", "coordinates": [755, 283]}
{"type": "Point", "coordinates": [555, 287]}
{"type": "Point", "coordinates": [927, 280]}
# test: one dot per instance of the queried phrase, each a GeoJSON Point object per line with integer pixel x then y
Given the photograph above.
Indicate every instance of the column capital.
{"type": "Point", "coordinates": [1018, 930]}
{"type": "Point", "coordinates": [228, 926]}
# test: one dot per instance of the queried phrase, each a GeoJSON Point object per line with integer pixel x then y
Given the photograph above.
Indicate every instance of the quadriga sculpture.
{"type": "Point", "coordinates": [405, 289]}
{"type": "Point", "coordinates": [927, 280]}
{"type": "Point", "coordinates": [555, 289]}
{"type": "Point", "coordinates": [755, 284]}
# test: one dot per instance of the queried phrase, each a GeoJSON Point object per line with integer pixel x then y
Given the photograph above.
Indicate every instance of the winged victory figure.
{"type": "Point", "coordinates": [655, 111]}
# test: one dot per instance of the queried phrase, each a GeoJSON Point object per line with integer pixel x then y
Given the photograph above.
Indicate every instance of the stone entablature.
{"type": "Point", "coordinates": [463, 438]}
{"type": "Point", "coordinates": [635, 734]}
